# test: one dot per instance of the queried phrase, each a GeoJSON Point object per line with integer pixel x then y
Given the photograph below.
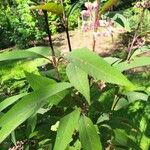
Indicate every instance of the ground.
{"type": "Point", "coordinates": [79, 39]}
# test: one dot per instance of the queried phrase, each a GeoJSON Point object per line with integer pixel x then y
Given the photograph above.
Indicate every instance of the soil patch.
{"type": "Point", "coordinates": [104, 45]}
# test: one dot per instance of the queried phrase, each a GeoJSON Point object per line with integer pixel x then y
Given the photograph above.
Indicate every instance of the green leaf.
{"type": "Point", "coordinates": [103, 117]}
{"type": "Point", "coordinates": [108, 5]}
{"type": "Point", "coordinates": [65, 130]}
{"type": "Point", "coordinates": [145, 142]}
{"type": "Point", "coordinates": [43, 51]}
{"type": "Point", "coordinates": [37, 82]}
{"type": "Point", "coordinates": [106, 98]}
{"type": "Point", "coordinates": [14, 55]}
{"type": "Point", "coordinates": [133, 63]}
{"type": "Point", "coordinates": [51, 7]}
{"type": "Point", "coordinates": [88, 135]}
{"type": "Point", "coordinates": [121, 103]}
{"type": "Point", "coordinates": [75, 6]}
{"type": "Point", "coordinates": [131, 97]}
{"type": "Point", "coordinates": [79, 79]}
{"type": "Point", "coordinates": [112, 60]}
{"type": "Point", "coordinates": [141, 50]}
{"type": "Point", "coordinates": [34, 52]}
{"type": "Point", "coordinates": [97, 67]}
{"type": "Point", "coordinates": [123, 139]}
{"type": "Point", "coordinates": [122, 122]}
{"type": "Point", "coordinates": [13, 137]}
{"type": "Point", "coordinates": [27, 107]}
{"type": "Point", "coordinates": [31, 124]}
{"type": "Point", "coordinates": [122, 21]}
{"type": "Point", "coordinates": [9, 101]}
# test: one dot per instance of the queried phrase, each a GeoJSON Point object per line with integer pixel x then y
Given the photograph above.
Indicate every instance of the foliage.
{"type": "Point", "coordinates": [21, 25]}
{"type": "Point", "coordinates": [133, 15]}
{"type": "Point", "coordinates": [83, 101]}
{"type": "Point", "coordinates": [25, 28]}
{"type": "Point", "coordinates": [45, 102]}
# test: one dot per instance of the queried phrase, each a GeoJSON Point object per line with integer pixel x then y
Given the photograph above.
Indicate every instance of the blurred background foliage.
{"type": "Point", "coordinates": [24, 28]}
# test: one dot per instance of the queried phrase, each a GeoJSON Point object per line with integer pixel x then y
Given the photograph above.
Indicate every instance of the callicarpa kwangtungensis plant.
{"type": "Point", "coordinates": [75, 113]}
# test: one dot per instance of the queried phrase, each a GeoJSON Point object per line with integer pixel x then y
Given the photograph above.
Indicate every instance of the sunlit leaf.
{"type": "Point", "coordinates": [34, 52]}
{"type": "Point", "coordinates": [10, 100]}
{"type": "Point", "coordinates": [133, 63]}
{"type": "Point", "coordinates": [122, 21]}
{"type": "Point", "coordinates": [79, 80]}
{"type": "Point", "coordinates": [65, 130]}
{"type": "Point", "coordinates": [37, 82]}
{"type": "Point", "coordinates": [130, 98]}
{"type": "Point", "coordinates": [97, 67]}
{"type": "Point", "coordinates": [141, 50]}
{"type": "Point", "coordinates": [88, 135]}
{"type": "Point", "coordinates": [51, 7]}
{"type": "Point", "coordinates": [145, 142]}
{"type": "Point", "coordinates": [23, 54]}
{"type": "Point", "coordinates": [108, 5]}
{"type": "Point", "coordinates": [112, 60]}
{"type": "Point", "coordinates": [26, 107]}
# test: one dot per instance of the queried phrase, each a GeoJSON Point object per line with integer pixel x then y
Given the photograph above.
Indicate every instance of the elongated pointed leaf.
{"type": "Point", "coordinates": [79, 80]}
{"type": "Point", "coordinates": [23, 54]}
{"type": "Point", "coordinates": [145, 142]}
{"type": "Point", "coordinates": [34, 52]}
{"type": "Point", "coordinates": [65, 130]}
{"type": "Point", "coordinates": [131, 97]}
{"type": "Point", "coordinates": [108, 5]}
{"type": "Point", "coordinates": [136, 62]}
{"type": "Point", "coordinates": [9, 101]}
{"type": "Point", "coordinates": [112, 60]}
{"type": "Point", "coordinates": [122, 21]}
{"type": "Point", "coordinates": [51, 7]}
{"type": "Point", "coordinates": [27, 107]}
{"type": "Point", "coordinates": [121, 122]}
{"type": "Point", "coordinates": [31, 124]}
{"type": "Point", "coordinates": [13, 138]}
{"type": "Point", "coordinates": [97, 67]}
{"type": "Point", "coordinates": [37, 82]}
{"type": "Point", "coordinates": [123, 139]}
{"type": "Point", "coordinates": [141, 50]}
{"type": "Point", "coordinates": [14, 55]}
{"type": "Point", "coordinates": [43, 51]}
{"type": "Point", "coordinates": [88, 135]}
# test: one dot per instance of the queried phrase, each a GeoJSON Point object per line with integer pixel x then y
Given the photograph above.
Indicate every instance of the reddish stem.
{"type": "Point", "coordinates": [130, 48]}
{"type": "Point", "coordinates": [97, 15]}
